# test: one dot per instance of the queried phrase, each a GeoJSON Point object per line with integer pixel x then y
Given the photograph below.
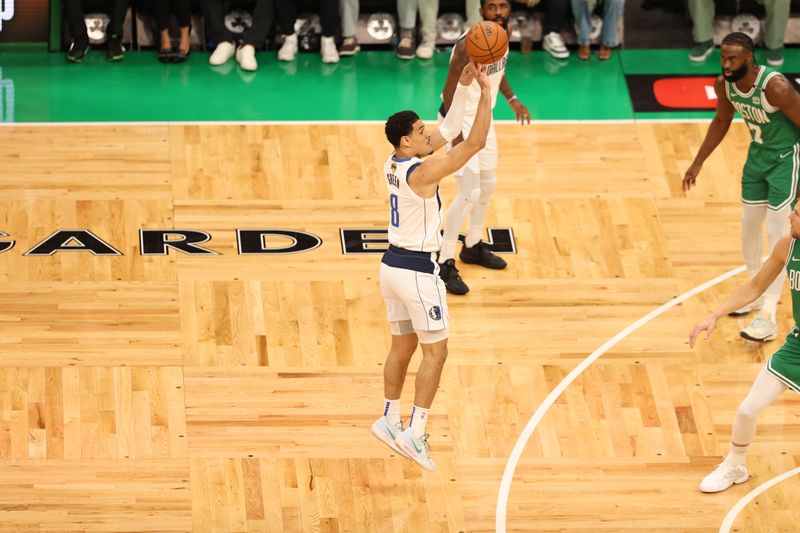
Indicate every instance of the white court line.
{"type": "Point", "coordinates": [530, 427]}
{"type": "Point", "coordinates": [343, 122]}
{"type": "Point", "coordinates": [730, 518]}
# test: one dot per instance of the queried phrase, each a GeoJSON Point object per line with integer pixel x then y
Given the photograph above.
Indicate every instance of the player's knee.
{"type": "Point", "coordinates": [488, 184]}
{"type": "Point", "coordinates": [747, 412]}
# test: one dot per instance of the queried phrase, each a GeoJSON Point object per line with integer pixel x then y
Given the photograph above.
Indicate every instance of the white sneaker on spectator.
{"type": "Point", "coordinates": [328, 50]}
{"type": "Point", "coordinates": [246, 57]}
{"type": "Point", "coordinates": [554, 45]}
{"type": "Point", "coordinates": [222, 53]}
{"type": "Point", "coordinates": [289, 48]}
{"type": "Point", "coordinates": [426, 49]}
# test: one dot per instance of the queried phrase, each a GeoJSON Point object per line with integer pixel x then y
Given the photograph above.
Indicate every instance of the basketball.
{"type": "Point", "coordinates": [487, 42]}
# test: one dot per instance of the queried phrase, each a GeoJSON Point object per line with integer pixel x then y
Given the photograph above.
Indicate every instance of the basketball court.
{"type": "Point", "coordinates": [234, 391]}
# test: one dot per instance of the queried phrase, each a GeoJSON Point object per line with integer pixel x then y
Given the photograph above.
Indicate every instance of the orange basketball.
{"type": "Point", "coordinates": [487, 42]}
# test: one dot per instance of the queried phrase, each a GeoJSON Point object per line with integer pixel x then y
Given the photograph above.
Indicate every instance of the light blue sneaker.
{"type": "Point", "coordinates": [386, 432]}
{"type": "Point", "coordinates": [415, 449]}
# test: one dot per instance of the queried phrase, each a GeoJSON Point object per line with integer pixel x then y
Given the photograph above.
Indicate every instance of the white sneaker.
{"type": "Point", "coordinates": [246, 57]}
{"type": "Point", "coordinates": [723, 477]}
{"type": "Point", "coordinates": [554, 45]}
{"type": "Point", "coordinates": [761, 330]}
{"type": "Point", "coordinates": [387, 432]}
{"type": "Point", "coordinates": [289, 48]}
{"type": "Point", "coordinates": [426, 49]}
{"type": "Point", "coordinates": [755, 306]}
{"type": "Point", "coordinates": [328, 50]}
{"type": "Point", "coordinates": [415, 449]}
{"type": "Point", "coordinates": [222, 53]}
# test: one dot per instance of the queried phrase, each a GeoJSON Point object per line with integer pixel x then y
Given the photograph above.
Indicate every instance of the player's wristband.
{"type": "Point", "coordinates": [512, 98]}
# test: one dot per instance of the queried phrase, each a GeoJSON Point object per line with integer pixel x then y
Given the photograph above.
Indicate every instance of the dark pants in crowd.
{"type": "Point", "coordinates": [77, 26]}
{"type": "Point", "coordinates": [328, 15]}
{"type": "Point", "coordinates": [263, 14]}
{"type": "Point", "coordinates": [182, 9]}
{"type": "Point", "coordinates": [556, 16]}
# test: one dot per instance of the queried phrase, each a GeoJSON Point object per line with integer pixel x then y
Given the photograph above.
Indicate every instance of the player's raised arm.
{"type": "Point", "coordinates": [453, 122]}
{"type": "Point", "coordinates": [716, 132]}
{"type": "Point", "coordinates": [433, 169]}
{"type": "Point", "coordinates": [748, 292]}
{"type": "Point", "coordinates": [457, 63]}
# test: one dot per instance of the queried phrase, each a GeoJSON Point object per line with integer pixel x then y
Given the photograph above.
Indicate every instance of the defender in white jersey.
{"type": "Point", "coordinates": [476, 180]}
{"type": "Point", "coordinates": [415, 297]}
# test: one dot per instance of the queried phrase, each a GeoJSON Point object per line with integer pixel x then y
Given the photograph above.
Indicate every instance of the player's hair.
{"type": "Point", "coordinates": [738, 38]}
{"type": "Point", "coordinates": [398, 125]}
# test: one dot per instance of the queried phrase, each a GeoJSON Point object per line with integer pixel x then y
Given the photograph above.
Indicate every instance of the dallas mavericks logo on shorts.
{"type": "Point", "coordinates": [435, 312]}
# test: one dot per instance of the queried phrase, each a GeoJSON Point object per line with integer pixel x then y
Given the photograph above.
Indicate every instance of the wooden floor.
{"type": "Point", "coordinates": [235, 393]}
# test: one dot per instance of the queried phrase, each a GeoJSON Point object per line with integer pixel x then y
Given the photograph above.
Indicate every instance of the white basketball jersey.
{"type": "Point", "coordinates": [495, 71]}
{"type": "Point", "coordinates": [413, 221]}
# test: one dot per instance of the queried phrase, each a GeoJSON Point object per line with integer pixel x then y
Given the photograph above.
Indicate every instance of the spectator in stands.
{"type": "Point", "coordinates": [407, 13]}
{"type": "Point", "coordinates": [473, 8]}
{"type": "Point", "coordinates": [702, 13]}
{"type": "Point", "coordinates": [251, 40]}
{"type": "Point", "coordinates": [329, 15]}
{"type": "Point", "coordinates": [612, 11]}
{"type": "Point", "coordinates": [554, 21]}
{"type": "Point", "coordinates": [348, 10]}
{"type": "Point", "coordinates": [182, 10]}
{"type": "Point", "coordinates": [79, 38]}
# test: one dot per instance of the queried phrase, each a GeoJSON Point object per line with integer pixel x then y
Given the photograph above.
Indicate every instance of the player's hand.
{"type": "Point", "coordinates": [521, 111]}
{"type": "Point", "coordinates": [468, 73]}
{"type": "Point", "coordinates": [706, 325]}
{"type": "Point", "coordinates": [690, 178]}
{"type": "Point", "coordinates": [482, 77]}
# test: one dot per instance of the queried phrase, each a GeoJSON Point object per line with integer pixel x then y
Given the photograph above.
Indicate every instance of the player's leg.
{"type": "Point", "coordinates": [475, 251]}
{"type": "Point", "coordinates": [755, 196]}
{"type": "Point", "coordinates": [427, 304]}
{"type": "Point", "coordinates": [733, 469]}
{"type": "Point", "coordinates": [781, 178]}
{"type": "Point", "coordinates": [404, 344]}
{"type": "Point", "coordinates": [468, 180]}
{"type": "Point", "coordinates": [414, 440]}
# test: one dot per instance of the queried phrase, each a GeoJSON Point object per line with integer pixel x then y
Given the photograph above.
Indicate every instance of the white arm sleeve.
{"type": "Point", "coordinates": [450, 127]}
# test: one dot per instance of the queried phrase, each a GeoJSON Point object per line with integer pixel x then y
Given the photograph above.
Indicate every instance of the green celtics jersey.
{"type": "Point", "coordinates": [793, 273]}
{"type": "Point", "coordinates": [769, 127]}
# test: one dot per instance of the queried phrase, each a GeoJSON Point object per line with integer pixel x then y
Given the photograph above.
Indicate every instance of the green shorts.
{"type": "Point", "coordinates": [770, 176]}
{"type": "Point", "coordinates": [785, 363]}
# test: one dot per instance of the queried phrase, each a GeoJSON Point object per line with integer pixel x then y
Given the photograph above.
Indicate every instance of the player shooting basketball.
{"type": "Point", "coordinates": [416, 302]}
{"type": "Point", "coordinates": [476, 180]}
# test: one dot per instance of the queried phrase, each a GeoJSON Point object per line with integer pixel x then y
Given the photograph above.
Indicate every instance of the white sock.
{"type": "Point", "coordinates": [480, 207]}
{"type": "Point", "coordinates": [737, 454]}
{"type": "Point", "coordinates": [419, 417]}
{"type": "Point", "coordinates": [752, 241]}
{"type": "Point", "coordinates": [777, 228]}
{"type": "Point", "coordinates": [455, 213]}
{"type": "Point", "coordinates": [391, 410]}
{"type": "Point", "coordinates": [770, 307]}
{"type": "Point", "coordinates": [763, 392]}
